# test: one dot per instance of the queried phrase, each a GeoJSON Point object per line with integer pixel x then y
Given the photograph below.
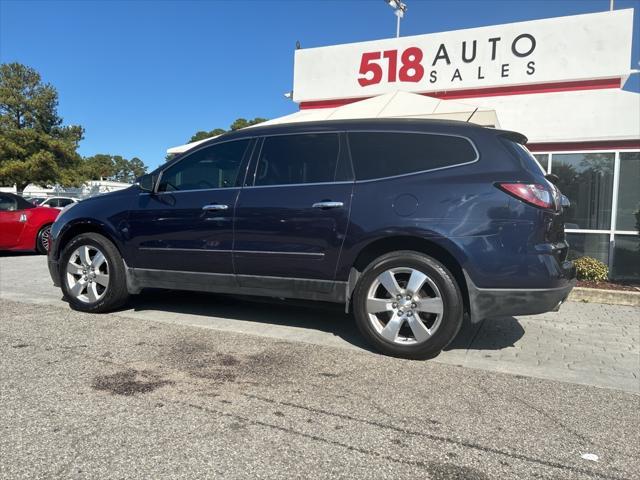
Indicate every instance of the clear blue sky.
{"type": "Point", "coordinates": [141, 76]}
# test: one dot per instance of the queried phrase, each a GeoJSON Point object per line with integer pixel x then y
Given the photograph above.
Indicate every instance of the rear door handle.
{"type": "Point", "coordinates": [215, 207]}
{"type": "Point", "coordinates": [326, 205]}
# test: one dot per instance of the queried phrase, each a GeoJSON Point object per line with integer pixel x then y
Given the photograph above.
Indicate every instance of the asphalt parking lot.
{"type": "Point", "coordinates": [180, 385]}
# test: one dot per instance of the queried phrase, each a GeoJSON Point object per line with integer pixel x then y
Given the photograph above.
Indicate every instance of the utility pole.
{"type": "Point", "coordinates": [399, 9]}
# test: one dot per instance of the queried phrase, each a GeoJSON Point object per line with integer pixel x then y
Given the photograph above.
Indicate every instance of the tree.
{"type": "Point", "coordinates": [34, 145]}
{"type": "Point", "coordinates": [201, 135]}
{"type": "Point", "coordinates": [112, 167]}
{"type": "Point", "coordinates": [236, 125]}
{"type": "Point", "coordinates": [243, 123]}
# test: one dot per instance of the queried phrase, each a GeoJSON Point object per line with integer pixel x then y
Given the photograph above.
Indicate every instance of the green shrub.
{"type": "Point", "coordinates": [591, 269]}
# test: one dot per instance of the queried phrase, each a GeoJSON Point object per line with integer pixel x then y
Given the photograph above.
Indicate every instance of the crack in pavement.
{"type": "Point", "coordinates": [439, 438]}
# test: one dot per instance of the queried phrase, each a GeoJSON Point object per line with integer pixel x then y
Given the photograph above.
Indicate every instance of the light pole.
{"type": "Point", "coordinates": [398, 8]}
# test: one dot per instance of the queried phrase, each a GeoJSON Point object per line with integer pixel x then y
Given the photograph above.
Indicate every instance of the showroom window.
{"type": "Point", "coordinates": [627, 217]}
{"type": "Point", "coordinates": [587, 180]}
{"type": "Point", "coordinates": [604, 216]}
{"type": "Point", "coordinates": [594, 245]}
{"type": "Point", "coordinates": [626, 257]}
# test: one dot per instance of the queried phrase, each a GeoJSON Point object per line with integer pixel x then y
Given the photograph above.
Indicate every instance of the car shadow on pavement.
{"type": "Point", "coordinates": [321, 316]}
{"type": "Point", "coordinates": [325, 317]}
{"type": "Point", "coordinates": [492, 334]}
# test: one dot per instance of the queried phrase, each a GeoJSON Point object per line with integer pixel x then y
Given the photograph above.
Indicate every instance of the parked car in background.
{"type": "Point", "coordinates": [58, 202]}
{"type": "Point", "coordinates": [410, 223]}
{"type": "Point", "coordinates": [35, 200]}
{"type": "Point", "coordinates": [24, 226]}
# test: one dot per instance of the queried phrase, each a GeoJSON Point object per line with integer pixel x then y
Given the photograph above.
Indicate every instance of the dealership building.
{"type": "Point", "coordinates": [559, 81]}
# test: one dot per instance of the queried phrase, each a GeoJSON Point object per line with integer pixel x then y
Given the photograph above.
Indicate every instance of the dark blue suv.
{"type": "Point", "coordinates": [410, 223]}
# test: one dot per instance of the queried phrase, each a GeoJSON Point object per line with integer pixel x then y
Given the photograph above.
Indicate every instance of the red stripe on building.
{"type": "Point", "coordinates": [595, 145]}
{"type": "Point", "coordinates": [487, 92]}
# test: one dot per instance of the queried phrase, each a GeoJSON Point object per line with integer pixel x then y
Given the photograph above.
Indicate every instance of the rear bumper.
{"type": "Point", "coordinates": [502, 302]}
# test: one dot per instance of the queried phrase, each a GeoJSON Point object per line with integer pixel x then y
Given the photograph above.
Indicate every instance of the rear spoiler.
{"type": "Point", "coordinates": [513, 136]}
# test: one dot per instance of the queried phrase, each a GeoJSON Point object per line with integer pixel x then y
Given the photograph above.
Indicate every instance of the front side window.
{"type": "Point", "coordinates": [217, 166]}
{"type": "Point", "coordinates": [386, 154]}
{"type": "Point", "coordinates": [296, 159]}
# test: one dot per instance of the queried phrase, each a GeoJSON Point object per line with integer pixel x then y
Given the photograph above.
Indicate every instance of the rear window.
{"type": "Point", "coordinates": [10, 203]}
{"type": "Point", "coordinates": [385, 154]}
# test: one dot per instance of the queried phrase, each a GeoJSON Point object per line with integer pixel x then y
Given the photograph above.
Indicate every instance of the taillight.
{"type": "Point", "coordinates": [532, 193]}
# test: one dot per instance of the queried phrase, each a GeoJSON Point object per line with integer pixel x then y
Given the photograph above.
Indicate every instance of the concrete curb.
{"type": "Point", "coordinates": [611, 297]}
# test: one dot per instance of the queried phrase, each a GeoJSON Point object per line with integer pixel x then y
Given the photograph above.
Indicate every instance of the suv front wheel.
{"type": "Point", "coordinates": [92, 274]}
{"type": "Point", "coordinates": [408, 304]}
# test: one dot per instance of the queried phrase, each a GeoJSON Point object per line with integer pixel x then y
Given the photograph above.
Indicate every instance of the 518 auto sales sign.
{"type": "Point", "coordinates": [565, 49]}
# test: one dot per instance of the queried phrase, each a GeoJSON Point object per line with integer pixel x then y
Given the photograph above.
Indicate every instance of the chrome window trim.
{"type": "Point", "coordinates": [473, 145]}
{"type": "Point", "coordinates": [206, 250]}
{"type": "Point", "coordinates": [175, 192]}
{"type": "Point", "coordinates": [271, 252]}
{"type": "Point", "coordinates": [171, 249]}
{"type": "Point", "coordinates": [301, 184]}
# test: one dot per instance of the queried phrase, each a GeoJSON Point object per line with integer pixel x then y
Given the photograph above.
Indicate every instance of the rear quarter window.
{"type": "Point", "coordinates": [522, 153]}
{"type": "Point", "coordinates": [386, 154]}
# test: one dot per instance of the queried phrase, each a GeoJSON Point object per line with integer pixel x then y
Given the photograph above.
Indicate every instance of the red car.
{"type": "Point", "coordinates": [24, 226]}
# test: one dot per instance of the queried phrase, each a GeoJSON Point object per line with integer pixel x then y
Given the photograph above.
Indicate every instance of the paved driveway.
{"type": "Point", "coordinates": [591, 344]}
{"type": "Point", "coordinates": [201, 386]}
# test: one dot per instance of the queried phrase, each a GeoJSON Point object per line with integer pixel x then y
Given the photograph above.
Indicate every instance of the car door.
{"type": "Point", "coordinates": [292, 217]}
{"type": "Point", "coordinates": [187, 223]}
{"type": "Point", "coordinates": [12, 221]}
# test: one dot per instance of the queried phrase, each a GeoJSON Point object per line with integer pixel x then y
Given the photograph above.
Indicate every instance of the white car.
{"type": "Point", "coordinates": [58, 202]}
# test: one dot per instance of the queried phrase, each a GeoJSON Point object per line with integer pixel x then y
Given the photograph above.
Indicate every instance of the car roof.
{"type": "Point", "coordinates": [401, 124]}
{"type": "Point", "coordinates": [391, 124]}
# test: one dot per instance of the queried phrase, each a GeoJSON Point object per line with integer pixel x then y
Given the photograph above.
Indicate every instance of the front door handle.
{"type": "Point", "coordinates": [326, 205]}
{"type": "Point", "coordinates": [215, 207]}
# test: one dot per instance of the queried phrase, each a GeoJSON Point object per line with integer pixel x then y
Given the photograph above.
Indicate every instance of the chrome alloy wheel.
{"type": "Point", "coordinates": [87, 274]}
{"type": "Point", "coordinates": [404, 306]}
{"type": "Point", "coordinates": [44, 237]}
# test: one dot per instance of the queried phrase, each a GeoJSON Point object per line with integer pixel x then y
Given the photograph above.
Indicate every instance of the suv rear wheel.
{"type": "Point", "coordinates": [92, 274]}
{"type": "Point", "coordinates": [408, 304]}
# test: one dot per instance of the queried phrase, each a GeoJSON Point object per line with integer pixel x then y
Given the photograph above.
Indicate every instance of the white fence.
{"type": "Point", "coordinates": [88, 189]}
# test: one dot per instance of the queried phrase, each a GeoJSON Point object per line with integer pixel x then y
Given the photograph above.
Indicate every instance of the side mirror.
{"type": "Point", "coordinates": [147, 182]}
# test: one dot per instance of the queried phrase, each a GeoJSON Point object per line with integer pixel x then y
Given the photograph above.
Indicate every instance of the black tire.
{"type": "Point", "coordinates": [452, 305]}
{"type": "Point", "coordinates": [115, 294]}
{"type": "Point", "coordinates": [42, 240]}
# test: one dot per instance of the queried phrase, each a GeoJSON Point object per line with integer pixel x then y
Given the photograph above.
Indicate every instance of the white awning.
{"type": "Point", "coordinates": [187, 146]}
{"type": "Point", "coordinates": [390, 105]}
{"type": "Point", "coordinates": [564, 117]}
{"type": "Point", "coordinates": [397, 105]}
